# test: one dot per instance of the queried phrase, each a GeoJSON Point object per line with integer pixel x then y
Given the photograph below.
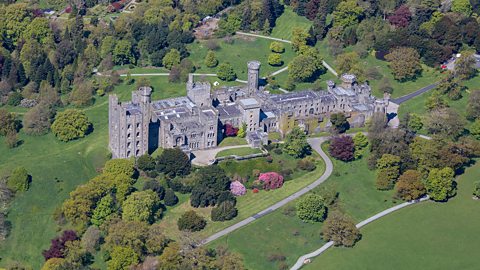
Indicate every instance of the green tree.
{"type": "Point", "coordinates": [211, 60]}
{"type": "Point", "coordinates": [347, 13]}
{"type": "Point", "coordinates": [108, 44]}
{"type": "Point", "coordinates": [275, 59]}
{"type": "Point", "coordinates": [37, 120]}
{"type": "Point", "coordinates": [70, 124]}
{"type": "Point", "coordinates": [440, 185]}
{"type": "Point", "coordinates": [473, 105]}
{"type": "Point", "coordinates": [409, 186]}
{"type": "Point", "coordinates": [476, 189]}
{"type": "Point", "coordinates": [340, 229]}
{"type": "Point", "coordinates": [119, 167]}
{"type": "Point", "coordinates": [103, 210]}
{"type": "Point", "coordinates": [171, 258]}
{"type": "Point", "coordinates": [122, 53]}
{"type": "Point", "coordinates": [146, 163]}
{"type": "Point", "coordinates": [404, 63]}
{"type": "Point", "coordinates": [462, 6]}
{"type": "Point", "coordinates": [171, 59]}
{"type": "Point", "coordinates": [242, 131]}
{"type": "Point", "coordinates": [19, 180]}
{"type": "Point", "coordinates": [54, 264]}
{"type": "Point", "coordinates": [122, 258]}
{"type": "Point", "coordinates": [311, 208]}
{"type": "Point", "coordinates": [465, 65]}
{"type": "Point", "coordinates": [413, 122]}
{"type": "Point", "coordinates": [361, 142]}
{"type": "Point", "coordinates": [8, 122]}
{"type": "Point", "coordinates": [224, 211]}
{"type": "Point", "coordinates": [348, 62]}
{"type": "Point", "coordinates": [277, 47]}
{"type": "Point", "coordinates": [388, 171]}
{"type": "Point", "coordinates": [302, 69]}
{"type": "Point", "coordinates": [141, 206]}
{"type": "Point", "coordinates": [475, 129]}
{"type": "Point", "coordinates": [40, 30]}
{"type": "Point", "coordinates": [225, 72]}
{"type": "Point", "coordinates": [296, 143]}
{"type": "Point", "coordinates": [170, 198]}
{"type": "Point", "coordinates": [191, 221]}
{"type": "Point", "coordinates": [14, 20]}
{"type": "Point", "coordinates": [339, 122]}
{"type": "Point", "coordinates": [173, 162]}
{"type": "Point", "coordinates": [446, 123]}
{"type": "Point", "coordinates": [131, 234]}
{"type": "Point", "coordinates": [299, 38]}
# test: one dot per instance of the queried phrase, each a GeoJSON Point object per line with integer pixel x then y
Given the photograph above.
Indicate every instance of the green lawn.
{"type": "Point", "coordinates": [288, 21]}
{"type": "Point", "coordinates": [242, 50]}
{"type": "Point", "coordinates": [248, 204]}
{"type": "Point", "coordinates": [231, 141]}
{"type": "Point", "coordinates": [56, 169]}
{"type": "Point", "coordinates": [244, 151]}
{"type": "Point", "coordinates": [257, 241]}
{"type": "Point", "coordinates": [425, 236]}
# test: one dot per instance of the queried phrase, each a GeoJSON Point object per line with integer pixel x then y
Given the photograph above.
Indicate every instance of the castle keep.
{"type": "Point", "coordinates": [198, 120]}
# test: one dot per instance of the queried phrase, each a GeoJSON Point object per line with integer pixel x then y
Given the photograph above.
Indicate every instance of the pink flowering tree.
{"type": "Point", "coordinates": [237, 188]}
{"type": "Point", "coordinates": [271, 180]}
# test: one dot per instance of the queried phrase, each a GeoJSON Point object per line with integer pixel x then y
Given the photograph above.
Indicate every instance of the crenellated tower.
{"type": "Point", "coordinates": [253, 76]}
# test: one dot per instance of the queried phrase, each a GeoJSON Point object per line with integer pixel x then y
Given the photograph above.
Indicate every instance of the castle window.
{"type": "Point", "coordinates": [128, 154]}
{"type": "Point", "coordinates": [128, 145]}
{"type": "Point", "coordinates": [137, 153]}
{"type": "Point", "coordinates": [138, 125]}
{"type": "Point", "coordinates": [138, 143]}
{"type": "Point", "coordinates": [129, 126]}
{"type": "Point", "coordinates": [138, 134]}
{"type": "Point", "coordinates": [129, 135]}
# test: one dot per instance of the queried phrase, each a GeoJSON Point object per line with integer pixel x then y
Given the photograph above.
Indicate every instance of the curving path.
{"type": "Point", "coordinates": [304, 259]}
{"type": "Point", "coordinates": [316, 144]}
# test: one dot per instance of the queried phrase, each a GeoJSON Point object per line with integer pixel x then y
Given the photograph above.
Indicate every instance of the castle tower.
{"type": "Point", "coordinates": [145, 94]}
{"type": "Point", "coordinates": [348, 80]}
{"type": "Point", "coordinates": [199, 92]}
{"type": "Point", "coordinates": [253, 76]}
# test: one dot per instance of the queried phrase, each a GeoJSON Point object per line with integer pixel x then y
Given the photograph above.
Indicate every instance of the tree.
{"type": "Point", "coordinates": [440, 185]}
{"type": "Point", "coordinates": [299, 38]}
{"type": "Point", "coordinates": [146, 163]}
{"type": "Point", "coordinates": [275, 59]}
{"type": "Point", "coordinates": [462, 6]}
{"type": "Point", "coordinates": [212, 183]}
{"type": "Point", "coordinates": [19, 180]}
{"type": "Point", "coordinates": [473, 106]}
{"type": "Point", "coordinates": [243, 130]}
{"type": "Point", "coordinates": [82, 94]}
{"type": "Point", "coordinates": [348, 62]}
{"type": "Point", "coordinates": [122, 258]}
{"type": "Point", "coordinates": [404, 63]}
{"type": "Point", "coordinates": [37, 120]}
{"type": "Point", "coordinates": [104, 209]}
{"type": "Point", "coordinates": [475, 129]}
{"type": "Point", "coordinates": [451, 87]}
{"type": "Point", "coordinates": [412, 121]}
{"type": "Point", "coordinates": [211, 60]}
{"type": "Point", "coordinates": [57, 246]}
{"type": "Point", "coordinates": [446, 123]}
{"type": "Point", "coordinates": [271, 180]}
{"type": "Point", "coordinates": [230, 131]}
{"type": "Point", "coordinates": [436, 101]}
{"type": "Point", "coordinates": [91, 239]}
{"type": "Point", "coordinates": [141, 206]}
{"type": "Point", "coordinates": [170, 198]}
{"type": "Point", "coordinates": [360, 142]}
{"type": "Point", "coordinates": [476, 189]}
{"type": "Point", "coordinates": [311, 208]}
{"type": "Point", "coordinates": [8, 122]}
{"type": "Point", "coordinates": [465, 66]}
{"type": "Point", "coordinates": [388, 171]}
{"type": "Point", "coordinates": [339, 122]}
{"type": "Point", "coordinates": [122, 53]}
{"type": "Point", "coordinates": [401, 16]}
{"type": "Point", "coordinates": [173, 162]}
{"type": "Point", "coordinates": [347, 13]}
{"type": "Point", "coordinates": [171, 59]}
{"type": "Point", "coordinates": [342, 148]}
{"type": "Point", "coordinates": [191, 221]}
{"type": "Point", "coordinates": [131, 234]}
{"type": "Point", "coordinates": [340, 229]}
{"type": "Point", "coordinates": [119, 167]}
{"type": "Point", "coordinates": [154, 185]}
{"type": "Point", "coordinates": [385, 86]}
{"type": "Point", "coordinates": [224, 211]}
{"type": "Point", "coordinates": [296, 143]}
{"type": "Point", "coordinates": [409, 186]}
{"type": "Point", "coordinates": [14, 99]}
{"type": "Point", "coordinates": [70, 124]}
{"type": "Point", "coordinates": [303, 68]}
{"type": "Point", "coordinates": [277, 47]}
{"type": "Point", "coordinates": [225, 72]}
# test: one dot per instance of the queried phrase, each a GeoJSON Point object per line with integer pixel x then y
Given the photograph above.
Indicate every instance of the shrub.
{"type": "Point", "coordinates": [146, 163]}
{"type": "Point", "coordinates": [255, 190]}
{"type": "Point", "coordinates": [71, 124]}
{"type": "Point", "coordinates": [211, 60]}
{"type": "Point", "coordinates": [311, 208]}
{"type": "Point", "coordinates": [342, 148]}
{"type": "Point", "coordinates": [275, 59]}
{"type": "Point", "coordinates": [409, 186]}
{"type": "Point", "coordinates": [269, 159]}
{"type": "Point", "coordinates": [341, 230]}
{"type": "Point", "coordinates": [230, 131]}
{"type": "Point", "coordinates": [14, 99]}
{"type": "Point", "coordinates": [19, 180]}
{"type": "Point", "coordinates": [191, 221]}
{"type": "Point", "coordinates": [476, 189]}
{"type": "Point", "coordinates": [170, 198]}
{"type": "Point", "coordinates": [224, 211]}
{"type": "Point", "coordinates": [156, 187]}
{"type": "Point", "coordinates": [306, 164]}
{"type": "Point", "coordinates": [277, 47]}
{"type": "Point", "coordinates": [271, 180]}
{"type": "Point", "coordinates": [225, 72]}
{"type": "Point", "coordinates": [237, 188]}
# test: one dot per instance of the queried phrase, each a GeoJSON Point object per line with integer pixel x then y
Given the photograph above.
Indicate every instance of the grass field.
{"type": "Point", "coordinates": [231, 141]}
{"type": "Point", "coordinates": [56, 169]}
{"type": "Point", "coordinates": [424, 236]}
{"type": "Point", "coordinates": [247, 205]}
{"type": "Point", "coordinates": [264, 237]}
{"type": "Point", "coordinates": [288, 21]}
{"type": "Point", "coordinates": [244, 151]}
{"type": "Point", "coordinates": [242, 50]}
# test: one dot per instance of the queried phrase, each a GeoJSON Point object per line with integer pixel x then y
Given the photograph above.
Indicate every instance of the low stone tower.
{"type": "Point", "coordinates": [253, 76]}
{"type": "Point", "coordinates": [199, 92]}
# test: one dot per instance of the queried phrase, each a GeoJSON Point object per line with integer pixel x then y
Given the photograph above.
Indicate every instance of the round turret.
{"type": "Point", "coordinates": [254, 65]}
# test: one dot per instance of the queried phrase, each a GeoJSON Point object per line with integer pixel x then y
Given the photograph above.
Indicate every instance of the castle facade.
{"type": "Point", "coordinates": [197, 121]}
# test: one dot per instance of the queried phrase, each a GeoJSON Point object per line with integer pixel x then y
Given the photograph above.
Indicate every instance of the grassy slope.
{"type": "Point", "coordinates": [257, 241]}
{"type": "Point", "coordinates": [425, 236]}
{"type": "Point", "coordinates": [288, 21]}
{"type": "Point", "coordinates": [250, 203]}
{"type": "Point", "coordinates": [56, 169]}
{"type": "Point", "coordinates": [239, 152]}
{"type": "Point", "coordinates": [230, 141]}
{"type": "Point", "coordinates": [238, 54]}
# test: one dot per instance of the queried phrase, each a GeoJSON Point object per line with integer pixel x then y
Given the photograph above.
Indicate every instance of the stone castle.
{"type": "Point", "coordinates": [197, 121]}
